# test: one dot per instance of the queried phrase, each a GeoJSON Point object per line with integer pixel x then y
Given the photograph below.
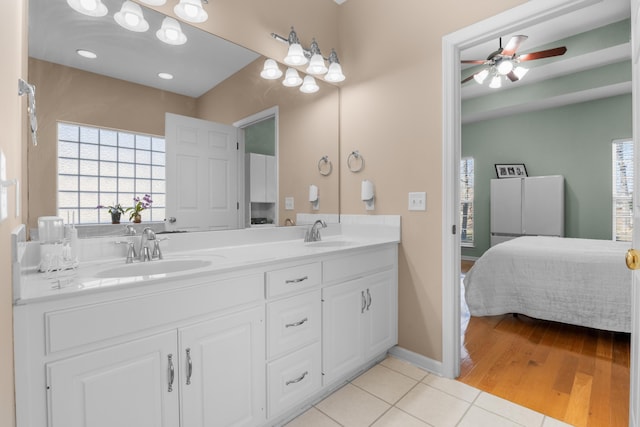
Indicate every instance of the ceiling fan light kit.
{"type": "Point", "coordinates": [298, 56]}
{"type": "Point", "coordinates": [504, 63]}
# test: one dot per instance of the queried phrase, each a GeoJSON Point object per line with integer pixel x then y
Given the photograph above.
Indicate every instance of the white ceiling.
{"type": "Point", "coordinates": [601, 14]}
{"type": "Point", "coordinates": [56, 31]}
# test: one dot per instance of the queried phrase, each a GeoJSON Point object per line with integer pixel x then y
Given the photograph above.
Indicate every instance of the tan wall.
{"type": "Point", "coordinates": [307, 127]}
{"type": "Point", "coordinates": [71, 95]}
{"type": "Point", "coordinates": [12, 109]}
{"type": "Point", "coordinates": [391, 112]}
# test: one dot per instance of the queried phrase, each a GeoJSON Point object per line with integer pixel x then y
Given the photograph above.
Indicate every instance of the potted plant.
{"type": "Point", "coordinates": [139, 206]}
{"type": "Point", "coordinates": [116, 211]}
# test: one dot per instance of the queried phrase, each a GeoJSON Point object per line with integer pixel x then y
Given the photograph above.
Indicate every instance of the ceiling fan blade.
{"type": "Point", "coordinates": [467, 79]}
{"type": "Point", "coordinates": [557, 51]}
{"type": "Point", "coordinates": [512, 76]}
{"type": "Point", "coordinates": [513, 45]}
{"type": "Point", "coordinates": [473, 61]}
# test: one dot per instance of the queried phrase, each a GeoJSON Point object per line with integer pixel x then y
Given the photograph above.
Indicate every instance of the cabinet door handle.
{"type": "Point", "coordinates": [189, 366]}
{"type": "Point", "coordinates": [364, 302]}
{"type": "Point", "coordinates": [297, 380]}
{"type": "Point", "coordinates": [171, 372]}
{"type": "Point", "coordinates": [293, 325]}
{"type": "Point", "coordinates": [369, 298]}
{"type": "Point", "coordinates": [301, 279]}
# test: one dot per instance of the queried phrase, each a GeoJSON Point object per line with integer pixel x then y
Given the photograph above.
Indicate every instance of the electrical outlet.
{"type": "Point", "coordinates": [418, 201]}
{"type": "Point", "coordinates": [288, 203]}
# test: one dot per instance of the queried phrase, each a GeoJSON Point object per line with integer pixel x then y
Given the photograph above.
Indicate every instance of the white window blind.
{"type": "Point", "coordinates": [466, 201]}
{"type": "Point", "coordinates": [622, 154]}
{"type": "Point", "coordinates": [99, 166]}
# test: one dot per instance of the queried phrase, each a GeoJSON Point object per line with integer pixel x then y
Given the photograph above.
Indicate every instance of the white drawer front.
{"type": "Point", "coordinates": [293, 378]}
{"type": "Point", "coordinates": [293, 323]}
{"type": "Point", "coordinates": [358, 265]}
{"type": "Point", "coordinates": [293, 279]}
{"type": "Point", "coordinates": [74, 327]}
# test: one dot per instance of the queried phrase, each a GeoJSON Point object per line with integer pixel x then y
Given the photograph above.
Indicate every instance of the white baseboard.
{"type": "Point", "coordinates": [418, 360]}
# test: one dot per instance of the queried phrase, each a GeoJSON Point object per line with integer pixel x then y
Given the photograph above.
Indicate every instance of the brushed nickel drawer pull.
{"type": "Point", "coordinates": [171, 373]}
{"type": "Point", "coordinates": [364, 302]}
{"type": "Point", "coordinates": [369, 299]}
{"type": "Point", "coordinates": [189, 366]}
{"type": "Point", "coordinates": [297, 380]}
{"type": "Point", "coordinates": [293, 325]}
{"type": "Point", "coordinates": [301, 279]}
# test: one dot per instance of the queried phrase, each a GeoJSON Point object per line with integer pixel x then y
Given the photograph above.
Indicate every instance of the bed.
{"type": "Point", "coordinates": [577, 281]}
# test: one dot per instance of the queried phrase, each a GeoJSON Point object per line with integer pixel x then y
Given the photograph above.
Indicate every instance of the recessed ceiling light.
{"type": "Point", "coordinates": [86, 53]}
{"type": "Point", "coordinates": [165, 76]}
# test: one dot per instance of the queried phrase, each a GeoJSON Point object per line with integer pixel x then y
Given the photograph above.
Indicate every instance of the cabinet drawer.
{"type": "Point", "coordinates": [280, 282]}
{"type": "Point", "coordinates": [358, 265]}
{"type": "Point", "coordinates": [293, 378]}
{"type": "Point", "coordinates": [293, 323]}
{"type": "Point", "coordinates": [74, 327]}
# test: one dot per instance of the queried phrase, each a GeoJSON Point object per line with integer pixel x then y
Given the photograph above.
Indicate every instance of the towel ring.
{"type": "Point", "coordinates": [328, 167]}
{"type": "Point", "coordinates": [355, 155]}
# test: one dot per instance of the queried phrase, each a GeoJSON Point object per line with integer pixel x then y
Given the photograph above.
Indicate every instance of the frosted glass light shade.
{"type": "Point", "coordinates": [271, 71]}
{"type": "Point", "coordinates": [89, 7]}
{"type": "Point", "coordinates": [154, 2]}
{"type": "Point", "coordinates": [295, 55]}
{"type": "Point", "coordinates": [171, 32]}
{"type": "Point", "coordinates": [520, 72]}
{"type": "Point", "coordinates": [496, 82]}
{"type": "Point", "coordinates": [309, 85]}
{"type": "Point", "coordinates": [130, 17]}
{"type": "Point", "coordinates": [291, 78]}
{"type": "Point", "coordinates": [191, 11]}
{"type": "Point", "coordinates": [317, 65]}
{"type": "Point", "coordinates": [334, 75]}
{"type": "Point", "coordinates": [505, 67]}
{"type": "Point", "coordinates": [481, 76]}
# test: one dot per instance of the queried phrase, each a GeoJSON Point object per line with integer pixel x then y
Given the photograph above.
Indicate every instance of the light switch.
{"type": "Point", "coordinates": [288, 203]}
{"type": "Point", "coordinates": [418, 201]}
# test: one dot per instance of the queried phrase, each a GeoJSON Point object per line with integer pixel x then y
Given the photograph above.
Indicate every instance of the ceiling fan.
{"type": "Point", "coordinates": [504, 62]}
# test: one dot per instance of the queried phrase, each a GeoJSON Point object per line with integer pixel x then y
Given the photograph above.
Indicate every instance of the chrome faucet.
{"type": "Point", "coordinates": [313, 233]}
{"type": "Point", "coordinates": [147, 235]}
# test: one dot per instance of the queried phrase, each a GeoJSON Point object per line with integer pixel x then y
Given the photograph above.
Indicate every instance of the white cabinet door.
{"type": "Point", "coordinates": [382, 310]}
{"type": "Point", "coordinates": [126, 385]}
{"type": "Point", "coordinates": [343, 317]}
{"type": "Point", "coordinates": [270, 179]}
{"type": "Point", "coordinates": [257, 174]}
{"type": "Point", "coordinates": [506, 206]}
{"type": "Point", "coordinates": [222, 372]}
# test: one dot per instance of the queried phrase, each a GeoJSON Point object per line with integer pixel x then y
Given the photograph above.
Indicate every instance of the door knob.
{"type": "Point", "coordinates": [633, 259]}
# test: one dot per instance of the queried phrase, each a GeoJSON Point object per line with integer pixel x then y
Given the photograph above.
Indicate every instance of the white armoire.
{"type": "Point", "coordinates": [532, 206]}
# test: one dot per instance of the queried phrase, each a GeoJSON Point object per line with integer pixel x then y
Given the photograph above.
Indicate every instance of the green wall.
{"type": "Point", "coordinates": [260, 137]}
{"type": "Point", "coordinates": [573, 141]}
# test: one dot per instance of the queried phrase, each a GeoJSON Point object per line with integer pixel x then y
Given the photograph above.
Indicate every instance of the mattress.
{"type": "Point", "coordinates": [577, 281]}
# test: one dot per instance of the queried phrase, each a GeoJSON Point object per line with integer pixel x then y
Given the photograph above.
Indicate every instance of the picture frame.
{"type": "Point", "coordinates": [511, 170]}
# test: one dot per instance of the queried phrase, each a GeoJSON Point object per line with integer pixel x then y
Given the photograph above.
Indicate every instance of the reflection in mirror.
{"type": "Point", "coordinates": [119, 91]}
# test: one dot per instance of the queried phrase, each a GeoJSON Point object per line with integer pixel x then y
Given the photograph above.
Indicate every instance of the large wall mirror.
{"type": "Point", "coordinates": [120, 90]}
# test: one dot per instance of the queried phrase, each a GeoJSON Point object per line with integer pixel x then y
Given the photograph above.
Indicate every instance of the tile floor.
{"type": "Point", "coordinates": [396, 393]}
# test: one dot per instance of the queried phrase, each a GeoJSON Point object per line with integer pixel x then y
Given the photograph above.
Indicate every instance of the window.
{"type": "Point", "coordinates": [622, 154]}
{"type": "Point", "coordinates": [466, 201]}
{"type": "Point", "coordinates": [103, 167]}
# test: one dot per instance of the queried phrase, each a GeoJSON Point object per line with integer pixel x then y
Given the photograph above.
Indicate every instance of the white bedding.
{"type": "Point", "coordinates": [578, 281]}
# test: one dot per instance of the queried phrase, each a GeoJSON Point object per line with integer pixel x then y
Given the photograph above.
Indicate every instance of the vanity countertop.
{"type": "Point", "coordinates": [105, 274]}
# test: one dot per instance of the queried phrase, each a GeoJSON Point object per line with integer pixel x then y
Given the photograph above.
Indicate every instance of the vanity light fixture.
{"type": "Point", "coordinates": [131, 18]}
{"type": "Point", "coordinates": [292, 78]}
{"type": "Point", "coordinates": [191, 11]}
{"type": "Point", "coordinates": [171, 32]}
{"type": "Point", "coordinates": [88, 7]}
{"type": "Point", "coordinates": [271, 71]}
{"type": "Point", "coordinates": [334, 75]}
{"type": "Point", "coordinates": [309, 85]}
{"type": "Point", "coordinates": [86, 53]}
{"type": "Point", "coordinates": [316, 63]}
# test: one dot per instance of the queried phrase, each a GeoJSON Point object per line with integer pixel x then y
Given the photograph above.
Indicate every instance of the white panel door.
{"type": "Point", "coordinates": [125, 385]}
{"type": "Point", "coordinates": [222, 371]}
{"type": "Point", "coordinates": [543, 206]}
{"type": "Point", "coordinates": [506, 206]}
{"type": "Point", "coordinates": [343, 322]}
{"type": "Point", "coordinates": [202, 174]}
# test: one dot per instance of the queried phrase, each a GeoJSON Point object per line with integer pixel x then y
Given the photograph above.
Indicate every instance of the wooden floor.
{"type": "Point", "coordinates": [577, 375]}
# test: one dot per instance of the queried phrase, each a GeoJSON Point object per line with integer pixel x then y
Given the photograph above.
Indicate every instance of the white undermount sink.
{"type": "Point", "coordinates": [150, 268]}
{"type": "Point", "coordinates": [329, 243]}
